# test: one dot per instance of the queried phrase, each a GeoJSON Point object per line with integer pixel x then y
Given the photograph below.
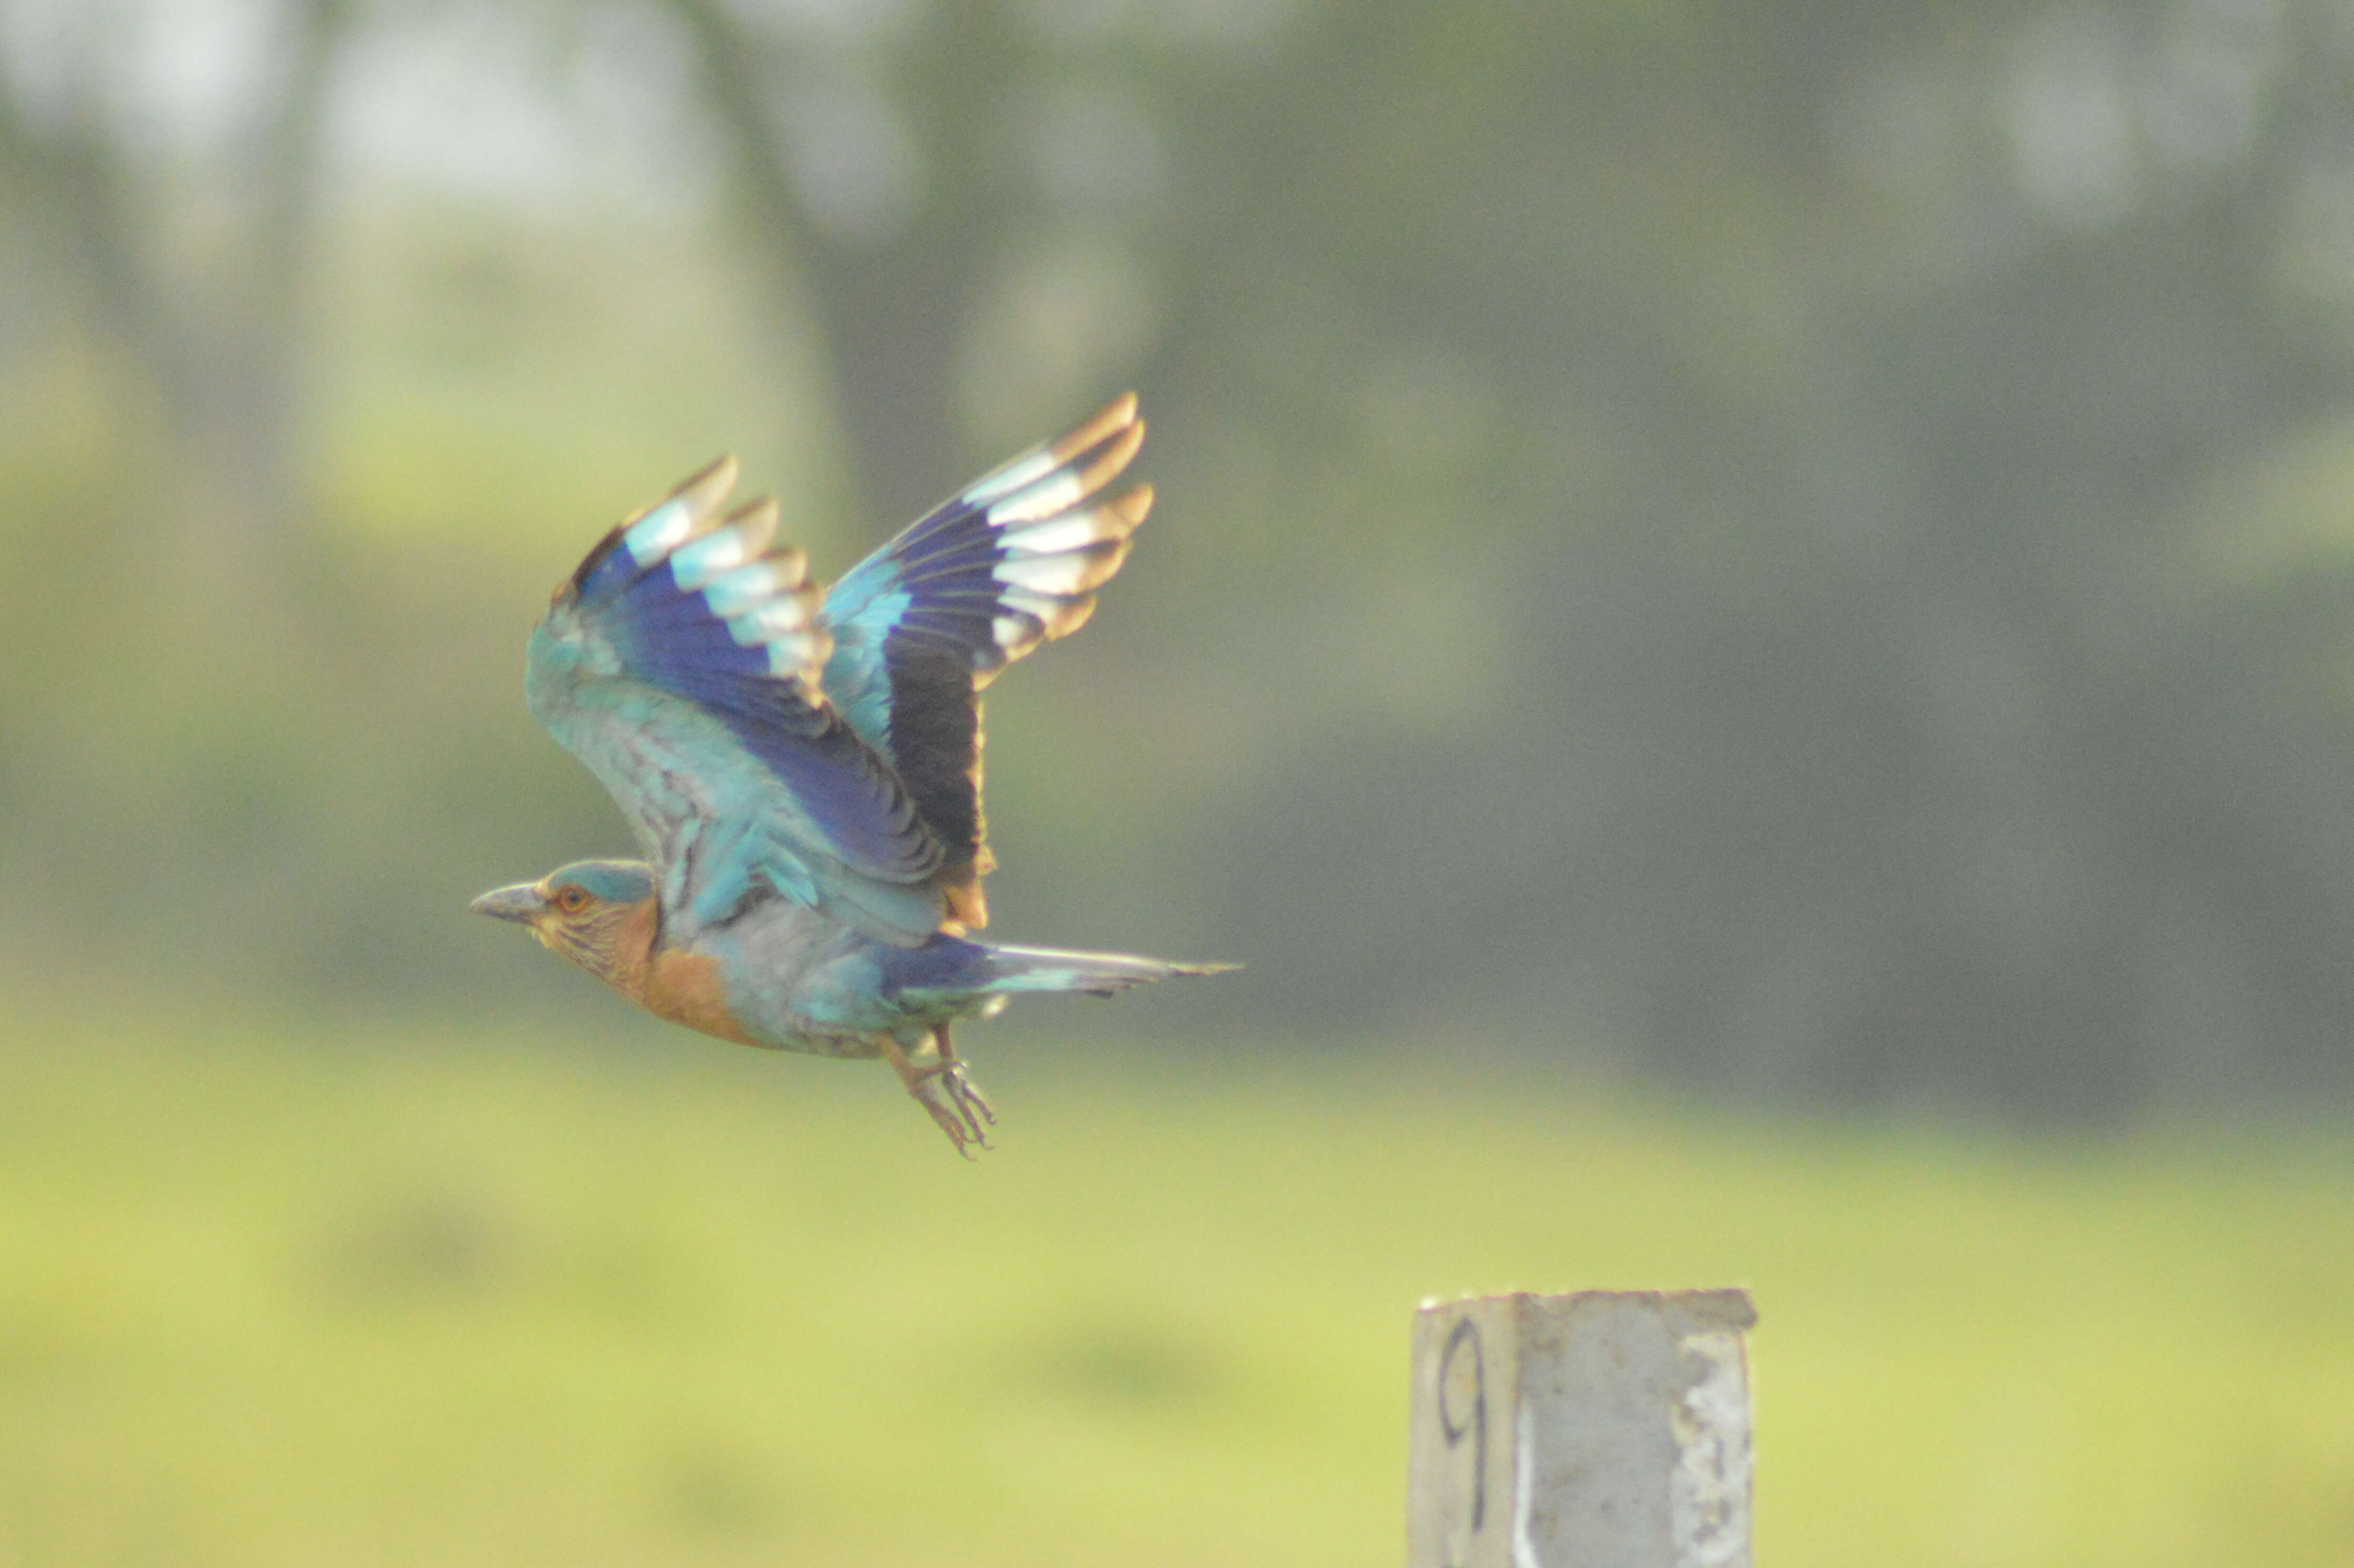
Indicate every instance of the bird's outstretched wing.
{"type": "Point", "coordinates": [680, 662]}
{"type": "Point", "coordinates": [925, 622]}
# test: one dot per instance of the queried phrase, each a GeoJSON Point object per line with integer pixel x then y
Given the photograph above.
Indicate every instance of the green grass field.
{"type": "Point", "coordinates": [485, 1301]}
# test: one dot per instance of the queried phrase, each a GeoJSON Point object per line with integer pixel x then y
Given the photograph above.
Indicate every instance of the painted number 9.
{"type": "Point", "coordinates": [1463, 1407]}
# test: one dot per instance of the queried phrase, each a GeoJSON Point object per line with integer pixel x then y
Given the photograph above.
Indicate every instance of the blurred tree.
{"type": "Point", "coordinates": [1721, 527]}
{"type": "Point", "coordinates": [199, 280]}
{"type": "Point", "coordinates": [906, 190]}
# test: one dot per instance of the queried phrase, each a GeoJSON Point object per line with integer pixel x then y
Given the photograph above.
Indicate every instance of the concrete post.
{"type": "Point", "coordinates": [1604, 1429]}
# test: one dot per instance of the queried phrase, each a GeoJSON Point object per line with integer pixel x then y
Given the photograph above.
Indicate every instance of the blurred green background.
{"type": "Point", "coordinates": [1750, 631]}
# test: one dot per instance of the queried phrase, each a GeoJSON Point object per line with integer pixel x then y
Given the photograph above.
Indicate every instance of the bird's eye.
{"type": "Point", "coordinates": [572, 900]}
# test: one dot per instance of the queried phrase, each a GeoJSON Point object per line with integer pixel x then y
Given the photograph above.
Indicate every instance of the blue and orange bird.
{"type": "Point", "coordinates": [803, 773]}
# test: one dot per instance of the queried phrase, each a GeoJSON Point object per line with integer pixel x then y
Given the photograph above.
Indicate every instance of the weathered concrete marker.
{"type": "Point", "coordinates": [1604, 1429]}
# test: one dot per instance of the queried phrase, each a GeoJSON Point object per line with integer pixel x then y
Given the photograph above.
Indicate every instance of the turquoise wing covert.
{"type": "Point", "coordinates": [920, 625]}
{"type": "Point", "coordinates": [680, 664]}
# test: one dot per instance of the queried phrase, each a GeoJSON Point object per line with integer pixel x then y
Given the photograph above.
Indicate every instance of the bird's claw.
{"type": "Point", "coordinates": [956, 1102]}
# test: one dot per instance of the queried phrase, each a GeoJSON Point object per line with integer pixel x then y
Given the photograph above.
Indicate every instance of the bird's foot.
{"type": "Point", "coordinates": [956, 1102]}
{"type": "Point", "coordinates": [943, 1087]}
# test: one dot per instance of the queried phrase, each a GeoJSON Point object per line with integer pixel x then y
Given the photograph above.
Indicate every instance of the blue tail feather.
{"type": "Point", "coordinates": [1092, 974]}
{"type": "Point", "coordinates": [950, 968]}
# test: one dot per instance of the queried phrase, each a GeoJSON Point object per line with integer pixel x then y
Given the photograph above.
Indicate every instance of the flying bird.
{"type": "Point", "coordinates": [804, 771]}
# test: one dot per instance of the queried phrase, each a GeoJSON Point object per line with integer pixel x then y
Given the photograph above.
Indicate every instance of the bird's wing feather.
{"type": "Point", "coordinates": [680, 664]}
{"type": "Point", "coordinates": [925, 622]}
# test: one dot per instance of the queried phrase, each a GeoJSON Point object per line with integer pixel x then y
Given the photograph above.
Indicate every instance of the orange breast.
{"type": "Point", "coordinates": [685, 988]}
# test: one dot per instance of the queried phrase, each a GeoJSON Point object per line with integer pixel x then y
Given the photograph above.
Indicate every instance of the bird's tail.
{"type": "Point", "coordinates": [1091, 974]}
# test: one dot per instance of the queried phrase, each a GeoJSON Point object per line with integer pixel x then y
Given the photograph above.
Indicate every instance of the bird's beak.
{"type": "Point", "coordinates": [522, 903]}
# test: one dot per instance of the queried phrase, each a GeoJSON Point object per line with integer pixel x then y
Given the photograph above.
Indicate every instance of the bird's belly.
{"type": "Point", "coordinates": [687, 989]}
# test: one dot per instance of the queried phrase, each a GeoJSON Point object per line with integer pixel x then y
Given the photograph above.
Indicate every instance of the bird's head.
{"type": "Point", "coordinates": [598, 913]}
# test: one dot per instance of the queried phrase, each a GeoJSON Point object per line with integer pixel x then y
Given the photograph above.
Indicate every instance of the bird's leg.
{"type": "Point", "coordinates": [968, 1095]}
{"type": "Point", "coordinates": [938, 1079]}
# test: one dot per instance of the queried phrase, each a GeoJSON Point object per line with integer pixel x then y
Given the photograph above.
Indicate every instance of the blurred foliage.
{"type": "Point", "coordinates": [421, 1299]}
{"type": "Point", "coordinates": [1802, 542]}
